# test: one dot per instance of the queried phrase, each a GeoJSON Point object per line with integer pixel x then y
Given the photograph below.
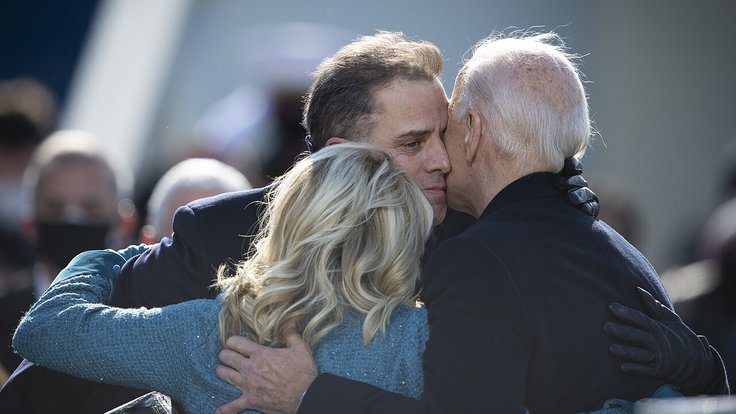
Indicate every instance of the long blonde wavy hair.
{"type": "Point", "coordinates": [343, 230]}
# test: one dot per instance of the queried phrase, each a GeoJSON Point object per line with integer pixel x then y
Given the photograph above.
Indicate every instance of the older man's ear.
{"type": "Point", "coordinates": [473, 134]}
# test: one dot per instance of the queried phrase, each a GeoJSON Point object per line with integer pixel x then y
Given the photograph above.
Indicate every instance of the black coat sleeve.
{"type": "Point", "coordinates": [207, 234]}
{"type": "Point", "coordinates": [478, 349]}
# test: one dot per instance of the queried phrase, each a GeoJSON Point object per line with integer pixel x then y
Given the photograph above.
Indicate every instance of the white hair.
{"type": "Point", "coordinates": [528, 91]}
{"type": "Point", "coordinates": [202, 176]}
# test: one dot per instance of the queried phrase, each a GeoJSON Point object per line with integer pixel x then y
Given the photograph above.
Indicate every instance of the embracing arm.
{"type": "Point", "coordinates": [282, 380]}
{"type": "Point", "coordinates": [207, 233]}
{"type": "Point", "coordinates": [460, 371]}
{"type": "Point", "coordinates": [175, 270]}
{"type": "Point", "coordinates": [70, 329]}
{"type": "Point", "coordinates": [658, 344]}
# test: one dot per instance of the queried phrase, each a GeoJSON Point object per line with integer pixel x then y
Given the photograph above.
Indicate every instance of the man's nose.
{"type": "Point", "coordinates": [439, 160]}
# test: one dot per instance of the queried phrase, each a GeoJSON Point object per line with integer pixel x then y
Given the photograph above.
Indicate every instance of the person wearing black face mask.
{"type": "Point", "coordinates": [76, 199]}
{"type": "Point", "coordinates": [60, 242]}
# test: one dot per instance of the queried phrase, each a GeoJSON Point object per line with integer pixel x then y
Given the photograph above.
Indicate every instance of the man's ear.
{"type": "Point", "coordinates": [473, 134]}
{"type": "Point", "coordinates": [335, 140]}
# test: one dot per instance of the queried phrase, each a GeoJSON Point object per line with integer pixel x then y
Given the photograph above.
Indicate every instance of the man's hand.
{"type": "Point", "coordinates": [273, 380]}
{"type": "Point", "coordinates": [658, 344]}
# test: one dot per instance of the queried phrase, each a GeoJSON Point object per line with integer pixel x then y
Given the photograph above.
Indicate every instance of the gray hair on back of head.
{"type": "Point", "coordinates": [528, 90]}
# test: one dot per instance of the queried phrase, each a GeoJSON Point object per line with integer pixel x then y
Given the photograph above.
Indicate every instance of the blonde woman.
{"type": "Point", "coordinates": [338, 253]}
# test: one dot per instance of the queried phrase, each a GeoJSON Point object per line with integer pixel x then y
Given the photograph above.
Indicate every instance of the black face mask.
{"type": "Point", "coordinates": [61, 242]}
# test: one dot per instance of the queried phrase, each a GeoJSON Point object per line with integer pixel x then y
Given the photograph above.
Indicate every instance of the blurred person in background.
{"type": "Point", "coordinates": [187, 181]}
{"type": "Point", "coordinates": [76, 198]}
{"type": "Point", "coordinates": [703, 291]}
{"type": "Point", "coordinates": [27, 115]}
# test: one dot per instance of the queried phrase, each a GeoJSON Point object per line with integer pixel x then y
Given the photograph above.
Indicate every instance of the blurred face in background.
{"type": "Point", "coordinates": [76, 209]}
{"type": "Point", "coordinates": [81, 192]}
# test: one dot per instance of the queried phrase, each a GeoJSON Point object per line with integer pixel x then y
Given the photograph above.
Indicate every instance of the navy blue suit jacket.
{"type": "Point", "coordinates": [207, 233]}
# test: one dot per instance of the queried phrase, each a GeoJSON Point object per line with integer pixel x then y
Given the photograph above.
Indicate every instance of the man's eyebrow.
{"type": "Point", "coordinates": [415, 133]}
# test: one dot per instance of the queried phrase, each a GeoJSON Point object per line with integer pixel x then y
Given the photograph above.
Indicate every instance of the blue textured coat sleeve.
{"type": "Point", "coordinates": [70, 330]}
{"type": "Point", "coordinates": [105, 262]}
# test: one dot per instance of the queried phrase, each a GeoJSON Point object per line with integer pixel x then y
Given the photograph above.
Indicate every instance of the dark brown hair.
{"type": "Point", "coordinates": [340, 101]}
